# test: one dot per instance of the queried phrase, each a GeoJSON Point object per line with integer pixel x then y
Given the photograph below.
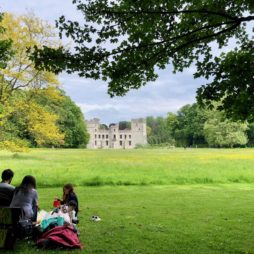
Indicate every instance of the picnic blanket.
{"type": "Point", "coordinates": [62, 236]}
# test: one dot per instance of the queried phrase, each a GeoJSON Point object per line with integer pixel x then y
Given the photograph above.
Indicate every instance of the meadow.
{"type": "Point", "coordinates": [132, 167]}
{"type": "Point", "coordinates": [150, 201]}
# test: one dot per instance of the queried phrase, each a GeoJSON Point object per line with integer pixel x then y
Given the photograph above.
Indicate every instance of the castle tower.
{"type": "Point", "coordinates": [138, 129]}
{"type": "Point", "coordinates": [114, 136]}
{"type": "Point", "coordinates": [93, 127]}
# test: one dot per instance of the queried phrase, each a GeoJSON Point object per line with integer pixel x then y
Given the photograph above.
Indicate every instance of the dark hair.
{"type": "Point", "coordinates": [69, 187]}
{"type": "Point", "coordinates": [7, 174]}
{"type": "Point", "coordinates": [26, 184]}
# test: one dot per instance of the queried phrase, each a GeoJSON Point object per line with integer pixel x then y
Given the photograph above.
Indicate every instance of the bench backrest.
{"type": "Point", "coordinates": [8, 221]}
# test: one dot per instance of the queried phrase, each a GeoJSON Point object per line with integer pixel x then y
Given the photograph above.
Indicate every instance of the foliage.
{"type": "Point", "coordinates": [193, 126]}
{"type": "Point", "coordinates": [124, 125]}
{"type": "Point", "coordinates": [15, 145]}
{"type": "Point", "coordinates": [187, 125]}
{"type": "Point", "coordinates": [250, 134]}
{"type": "Point", "coordinates": [221, 132]}
{"type": "Point", "coordinates": [33, 111]}
{"type": "Point", "coordinates": [70, 121]}
{"type": "Point", "coordinates": [45, 117]}
{"type": "Point", "coordinates": [25, 32]}
{"type": "Point", "coordinates": [26, 122]}
{"type": "Point", "coordinates": [232, 85]}
{"type": "Point", "coordinates": [158, 131]}
{"type": "Point", "coordinates": [5, 46]}
{"type": "Point", "coordinates": [147, 34]}
{"type": "Point", "coordinates": [104, 127]}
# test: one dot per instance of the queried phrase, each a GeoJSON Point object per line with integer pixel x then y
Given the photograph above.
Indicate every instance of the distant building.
{"type": "Point", "coordinates": [115, 138]}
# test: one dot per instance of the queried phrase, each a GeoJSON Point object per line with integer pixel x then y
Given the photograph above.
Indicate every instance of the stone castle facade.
{"type": "Point", "coordinates": [115, 138]}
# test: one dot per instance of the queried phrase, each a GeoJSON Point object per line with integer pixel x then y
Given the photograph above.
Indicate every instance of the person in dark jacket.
{"type": "Point", "coordinates": [6, 189]}
{"type": "Point", "coordinates": [69, 197]}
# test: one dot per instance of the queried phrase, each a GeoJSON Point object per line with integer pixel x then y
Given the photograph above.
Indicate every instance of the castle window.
{"type": "Point", "coordinates": [125, 136]}
{"type": "Point", "coordinates": [121, 142]}
{"type": "Point", "coordinates": [107, 143]}
{"type": "Point", "coordinates": [129, 143]}
{"type": "Point", "coordinates": [95, 143]}
{"type": "Point", "coordinates": [129, 136]}
{"type": "Point", "coordinates": [114, 136]}
{"type": "Point", "coordinates": [102, 136]}
{"type": "Point", "coordinates": [95, 130]}
{"type": "Point", "coordinates": [99, 136]}
{"type": "Point", "coordinates": [120, 136]}
{"type": "Point", "coordinates": [114, 129]}
{"type": "Point", "coordinates": [106, 136]}
{"type": "Point", "coordinates": [95, 136]}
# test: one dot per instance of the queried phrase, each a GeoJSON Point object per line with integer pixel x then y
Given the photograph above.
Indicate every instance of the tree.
{"type": "Point", "coordinates": [186, 126]}
{"type": "Point", "coordinates": [221, 132]}
{"type": "Point", "coordinates": [147, 34]}
{"type": "Point", "coordinates": [33, 111]}
{"type": "Point", "coordinates": [70, 122]}
{"type": "Point", "coordinates": [158, 132]}
{"type": "Point", "coordinates": [5, 46]}
{"type": "Point", "coordinates": [24, 122]}
{"type": "Point", "coordinates": [232, 85]}
{"type": "Point", "coordinates": [19, 73]}
{"type": "Point", "coordinates": [250, 134]}
{"type": "Point", "coordinates": [124, 125]}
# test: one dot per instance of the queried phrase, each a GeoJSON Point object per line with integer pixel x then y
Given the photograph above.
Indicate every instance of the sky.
{"type": "Point", "coordinates": [167, 94]}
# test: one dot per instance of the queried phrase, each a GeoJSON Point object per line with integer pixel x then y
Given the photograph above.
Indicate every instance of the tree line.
{"type": "Point", "coordinates": [193, 126]}
{"type": "Point", "coordinates": [34, 110]}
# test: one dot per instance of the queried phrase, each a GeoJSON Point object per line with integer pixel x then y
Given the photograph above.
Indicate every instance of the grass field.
{"type": "Point", "coordinates": [134, 167]}
{"type": "Point", "coordinates": [177, 201]}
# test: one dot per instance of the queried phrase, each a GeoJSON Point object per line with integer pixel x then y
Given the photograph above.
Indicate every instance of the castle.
{"type": "Point", "coordinates": [115, 138]}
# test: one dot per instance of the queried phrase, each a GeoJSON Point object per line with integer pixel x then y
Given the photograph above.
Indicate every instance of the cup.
{"type": "Point", "coordinates": [56, 203]}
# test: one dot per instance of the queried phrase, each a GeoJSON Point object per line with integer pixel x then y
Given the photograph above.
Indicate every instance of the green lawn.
{"type": "Point", "coordinates": [178, 201]}
{"type": "Point", "coordinates": [198, 219]}
{"type": "Point", "coordinates": [134, 167]}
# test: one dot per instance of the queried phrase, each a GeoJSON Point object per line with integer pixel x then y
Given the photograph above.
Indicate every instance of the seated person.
{"type": "Point", "coordinates": [70, 198]}
{"type": "Point", "coordinates": [65, 211]}
{"type": "Point", "coordinates": [6, 189]}
{"type": "Point", "coordinates": [26, 197]}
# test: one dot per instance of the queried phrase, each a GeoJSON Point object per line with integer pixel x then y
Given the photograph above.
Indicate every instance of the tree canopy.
{"type": "Point", "coordinates": [34, 111]}
{"type": "Point", "coordinates": [193, 126]}
{"type": "Point", "coordinates": [19, 72]}
{"type": "Point", "coordinates": [5, 46]}
{"type": "Point", "coordinates": [123, 42]}
{"type": "Point", "coordinates": [221, 132]}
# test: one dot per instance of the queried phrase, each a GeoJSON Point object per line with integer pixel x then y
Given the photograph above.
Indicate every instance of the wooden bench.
{"type": "Point", "coordinates": [8, 227]}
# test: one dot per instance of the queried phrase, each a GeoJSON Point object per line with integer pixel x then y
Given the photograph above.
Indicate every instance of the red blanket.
{"type": "Point", "coordinates": [62, 236]}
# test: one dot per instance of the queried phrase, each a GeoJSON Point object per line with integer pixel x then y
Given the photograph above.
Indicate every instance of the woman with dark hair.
{"type": "Point", "coordinates": [26, 197]}
{"type": "Point", "coordinates": [69, 197]}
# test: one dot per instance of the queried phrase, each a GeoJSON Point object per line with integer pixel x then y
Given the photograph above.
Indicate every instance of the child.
{"type": "Point", "coordinates": [70, 198]}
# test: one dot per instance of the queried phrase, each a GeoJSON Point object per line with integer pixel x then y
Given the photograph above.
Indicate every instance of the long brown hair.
{"type": "Point", "coordinates": [27, 182]}
{"type": "Point", "coordinates": [69, 187]}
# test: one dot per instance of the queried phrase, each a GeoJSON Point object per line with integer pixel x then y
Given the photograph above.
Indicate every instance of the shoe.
{"type": "Point", "coordinates": [95, 218]}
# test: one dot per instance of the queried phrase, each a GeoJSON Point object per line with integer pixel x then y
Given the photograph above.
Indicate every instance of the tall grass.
{"type": "Point", "coordinates": [54, 167]}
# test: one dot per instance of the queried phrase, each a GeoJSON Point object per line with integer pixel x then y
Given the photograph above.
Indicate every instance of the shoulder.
{"type": "Point", "coordinates": [33, 192]}
{"type": "Point", "coordinates": [11, 187]}
{"type": "Point", "coordinates": [73, 195]}
{"type": "Point", "coordinates": [7, 186]}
